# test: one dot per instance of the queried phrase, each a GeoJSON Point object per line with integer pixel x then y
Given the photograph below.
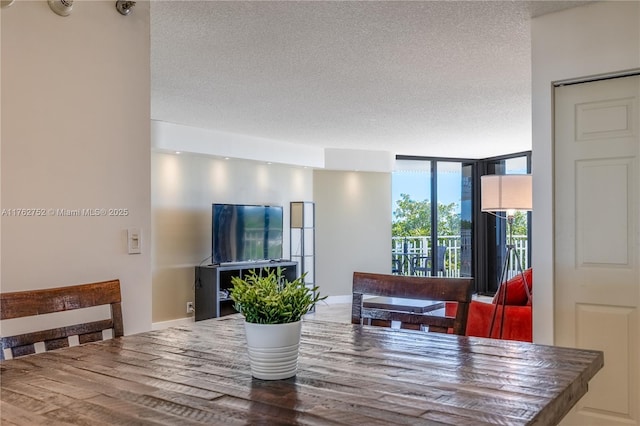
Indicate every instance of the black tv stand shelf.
{"type": "Point", "coordinates": [210, 280]}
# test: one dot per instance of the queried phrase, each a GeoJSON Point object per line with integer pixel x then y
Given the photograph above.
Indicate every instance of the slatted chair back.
{"type": "Point", "coordinates": [37, 302]}
{"type": "Point", "coordinates": [439, 289]}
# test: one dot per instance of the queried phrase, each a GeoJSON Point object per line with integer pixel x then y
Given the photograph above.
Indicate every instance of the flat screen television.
{"type": "Point", "coordinates": [244, 233]}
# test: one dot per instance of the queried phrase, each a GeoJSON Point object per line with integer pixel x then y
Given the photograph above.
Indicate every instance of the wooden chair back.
{"type": "Point", "coordinates": [440, 289]}
{"type": "Point", "coordinates": [36, 302]}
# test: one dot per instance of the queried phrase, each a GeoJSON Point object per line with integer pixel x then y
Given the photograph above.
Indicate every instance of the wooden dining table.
{"type": "Point", "coordinates": [347, 375]}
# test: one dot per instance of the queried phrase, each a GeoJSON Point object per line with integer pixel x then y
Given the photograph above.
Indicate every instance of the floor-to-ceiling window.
{"type": "Point", "coordinates": [437, 226]}
{"type": "Point", "coordinates": [495, 226]}
{"type": "Point", "coordinates": [431, 231]}
{"type": "Point", "coordinates": [411, 210]}
{"type": "Point", "coordinates": [447, 239]}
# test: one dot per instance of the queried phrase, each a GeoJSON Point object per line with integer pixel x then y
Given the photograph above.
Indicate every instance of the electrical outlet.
{"type": "Point", "coordinates": [190, 308]}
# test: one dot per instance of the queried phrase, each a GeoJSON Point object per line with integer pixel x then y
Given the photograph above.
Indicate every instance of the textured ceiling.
{"type": "Point", "coordinates": [433, 78]}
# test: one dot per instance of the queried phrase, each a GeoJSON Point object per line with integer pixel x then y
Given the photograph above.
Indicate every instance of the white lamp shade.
{"type": "Point", "coordinates": [297, 214]}
{"type": "Point", "coordinates": [302, 213]}
{"type": "Point", "coordinates": [500, 193]}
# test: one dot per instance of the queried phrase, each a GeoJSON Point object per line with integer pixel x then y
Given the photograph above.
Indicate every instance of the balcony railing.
{"type": "Point", "coordinates": [406, 250]}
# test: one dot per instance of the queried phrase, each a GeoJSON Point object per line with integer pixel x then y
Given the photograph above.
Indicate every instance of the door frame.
{"type": "Point", "coordinates": [559, 337]}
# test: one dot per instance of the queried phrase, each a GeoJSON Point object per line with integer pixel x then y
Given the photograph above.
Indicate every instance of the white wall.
{"type": "Point", "coordinates": [75, 134]}
{"type": "Point", "coordinates": [183, 189]}
{"type": "Point", "coordinates": [353, 227]}
{"type": "Point", "coordinates": [1, 147]}
{"type": "Point", "coordinates": [171, 137]}
{"type": "Point", "coordinates": [353, 219]}
{"type": "Point", "coordinates": [599, 38]}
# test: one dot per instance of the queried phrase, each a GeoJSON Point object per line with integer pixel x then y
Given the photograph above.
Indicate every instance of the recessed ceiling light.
{"type": "Point", "coordinates": [178, 152]}
{"type": "Point", "coordinates": [226, 158]}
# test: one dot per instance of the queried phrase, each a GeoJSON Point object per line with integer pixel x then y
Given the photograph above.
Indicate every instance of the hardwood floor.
{"type": "Point", "coordinates": [335, 312]}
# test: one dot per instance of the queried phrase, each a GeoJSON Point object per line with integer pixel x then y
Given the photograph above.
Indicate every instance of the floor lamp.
{"type": "Point", "coordinates": [506, 193]}
{"type": "Point", "coordinates": [302, 236]}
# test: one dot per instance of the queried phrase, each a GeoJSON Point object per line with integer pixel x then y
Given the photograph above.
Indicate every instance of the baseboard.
{"type": "Point", "coordinates": [172, 323]}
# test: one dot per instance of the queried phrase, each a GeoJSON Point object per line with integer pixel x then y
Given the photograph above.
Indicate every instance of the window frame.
{"type": "Point", "coordinates": [485, 276]}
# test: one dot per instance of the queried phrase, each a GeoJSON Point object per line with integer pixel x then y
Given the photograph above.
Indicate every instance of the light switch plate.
{"type": "Point", "coordinates": [134, 240]}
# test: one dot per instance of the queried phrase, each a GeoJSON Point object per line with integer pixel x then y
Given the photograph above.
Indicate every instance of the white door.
{"type": "Point", "coordinates": [597, 254]}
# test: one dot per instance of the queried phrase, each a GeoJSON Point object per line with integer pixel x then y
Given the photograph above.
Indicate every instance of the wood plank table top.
{"type": "Point", "coordinates": [399, 304]}
{"type": "Point", "coordinates": [347, 375]}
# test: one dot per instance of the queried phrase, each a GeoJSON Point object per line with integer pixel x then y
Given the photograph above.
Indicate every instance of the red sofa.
{"type": "Point", "coordinates": [517, 319]}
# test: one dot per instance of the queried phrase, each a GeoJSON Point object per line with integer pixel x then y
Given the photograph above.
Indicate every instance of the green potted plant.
{"type": "Point", "coordinates": [273, 308]}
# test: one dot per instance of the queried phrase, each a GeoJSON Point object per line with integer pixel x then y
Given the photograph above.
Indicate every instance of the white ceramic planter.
{"type": "Point", "coordinates": [273, 349]}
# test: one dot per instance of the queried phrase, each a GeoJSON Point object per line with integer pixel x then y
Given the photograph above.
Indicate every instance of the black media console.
{"type": "Point", "coordinates": [213, 282]}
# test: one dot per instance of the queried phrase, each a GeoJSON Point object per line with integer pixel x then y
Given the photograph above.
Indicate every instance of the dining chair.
{"type": "Point", "coordinates": [396, 266]}
{"type": "Point", "coordinates": [422, 265]}
{"type": "Point", "coordinates": [436, 289]}
{"type": "Point", "coordinates": [31, 303]}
